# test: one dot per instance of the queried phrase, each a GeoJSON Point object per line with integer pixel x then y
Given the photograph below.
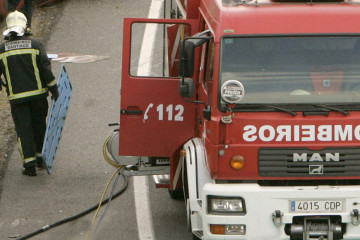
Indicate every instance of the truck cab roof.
{"type": "Point", "coordinates": [253, 17]}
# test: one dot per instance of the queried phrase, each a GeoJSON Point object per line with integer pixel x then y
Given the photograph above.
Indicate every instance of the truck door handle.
{"type": "Point", "coordinates": [131, 112]}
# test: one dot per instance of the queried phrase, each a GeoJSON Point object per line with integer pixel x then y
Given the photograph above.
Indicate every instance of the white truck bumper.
{"type": "Point", "coordinates": [262, 204]}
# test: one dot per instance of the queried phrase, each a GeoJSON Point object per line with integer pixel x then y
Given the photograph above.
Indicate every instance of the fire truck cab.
{"type": "Point", "coordinates": [254, 116]}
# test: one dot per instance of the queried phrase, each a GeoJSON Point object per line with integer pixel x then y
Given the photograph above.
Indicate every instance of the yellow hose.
{"type": "Point", "coordinates": [109, 159]}
{"type": "Point", "coordinates": [100, 204]}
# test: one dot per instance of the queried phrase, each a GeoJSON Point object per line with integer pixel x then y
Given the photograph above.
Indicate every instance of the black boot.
{"type": "Point", "coordinates": [40, 163]}
{"type": "Point", "coordinates": [29, 169]}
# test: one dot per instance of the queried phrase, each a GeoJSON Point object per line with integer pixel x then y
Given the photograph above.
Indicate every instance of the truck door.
{"type": "Point", "coordinates": [154, 119]}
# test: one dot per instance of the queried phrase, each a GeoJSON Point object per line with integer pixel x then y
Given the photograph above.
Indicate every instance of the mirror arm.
{"type": "Point", "coordinates": [194, 101]}
{"type": "Point", "coordinates": [206, 110]}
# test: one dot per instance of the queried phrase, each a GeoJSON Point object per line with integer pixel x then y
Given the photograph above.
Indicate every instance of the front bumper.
{"type": "Point", "coordinates": [262, 204]}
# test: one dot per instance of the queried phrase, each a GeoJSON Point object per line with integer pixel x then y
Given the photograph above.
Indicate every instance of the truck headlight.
{"type": "Point", "coordinates": [226, 205]}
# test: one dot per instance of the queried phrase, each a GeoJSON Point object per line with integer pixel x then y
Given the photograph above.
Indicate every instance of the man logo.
{"type": "Point", "coordinates": [316, 169]}
{"type": "Point", "coordinates": [316, 157]}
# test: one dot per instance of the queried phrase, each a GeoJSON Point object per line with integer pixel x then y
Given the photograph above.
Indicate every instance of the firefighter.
{"type": "Point", "coordinates": [28, 9]}
{"type": "Point", "coordinates": [28, 78]}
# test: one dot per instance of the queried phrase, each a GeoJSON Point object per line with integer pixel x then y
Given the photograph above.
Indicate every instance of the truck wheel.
{"type": "Point", "coordinates": [177, 194]}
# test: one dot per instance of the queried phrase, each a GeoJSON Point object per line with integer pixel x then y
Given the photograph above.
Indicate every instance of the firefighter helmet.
{"type": "Point", "coordinates": [15, 22]}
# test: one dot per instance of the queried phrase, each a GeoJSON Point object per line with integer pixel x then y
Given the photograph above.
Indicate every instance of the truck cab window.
{"type": "Point", "coordinates": [293, 70]}
{"type": "Point", "coordinates": [207, 61]}
{"type": "Point", "coordinates": [158, 54]}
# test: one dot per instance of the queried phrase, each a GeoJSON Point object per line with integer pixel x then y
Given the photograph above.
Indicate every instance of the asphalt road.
{"type": "Point", "coordinates": [80, 173]}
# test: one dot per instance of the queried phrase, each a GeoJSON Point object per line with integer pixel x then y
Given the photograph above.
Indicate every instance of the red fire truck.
{"type": "Point", "coordinates": [251, 110]}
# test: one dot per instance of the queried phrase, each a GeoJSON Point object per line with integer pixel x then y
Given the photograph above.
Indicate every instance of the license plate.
{"type": "Point", "coordinates": [316, 206]}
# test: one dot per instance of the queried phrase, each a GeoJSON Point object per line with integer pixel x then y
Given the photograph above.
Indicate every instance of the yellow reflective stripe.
{"type": "Point", "coordinates": [29, 160]}
{"type": "Point", "coordinates": [36, 71]}
{"type": "Point", "coordinates": [38, 154]}
{"type": "Point", "coordinates": [20, 148]}
{"type": "Point", "coordinates": [27, 94]}
{"type": "Point", "coordinates": [18, 52]}
{"type": "Point", "coordinates": [7, 75]}
{"type": "Point", "coordinates": [52, 83]}
{"type": "Point", "coordinates": [33, 53]}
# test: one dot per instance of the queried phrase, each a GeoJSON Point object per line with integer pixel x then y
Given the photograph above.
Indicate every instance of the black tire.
{"type": "Point", "coordinates": [185, 182]}
{"type": "Point", "coordinates": [194, 237]}
{"type": "Point", "coordinates": [177, 194]}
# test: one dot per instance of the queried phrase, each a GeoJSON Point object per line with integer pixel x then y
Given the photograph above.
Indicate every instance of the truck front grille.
{"type": "Point", "coordinates": [303, 162]}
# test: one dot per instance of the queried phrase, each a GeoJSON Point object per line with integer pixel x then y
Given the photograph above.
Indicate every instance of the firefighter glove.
{"type": "Point", "coordinates": [54, 92]}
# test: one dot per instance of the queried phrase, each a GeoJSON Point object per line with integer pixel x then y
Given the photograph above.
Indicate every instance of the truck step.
{"type": "Point", "coordinates": [162, 181]}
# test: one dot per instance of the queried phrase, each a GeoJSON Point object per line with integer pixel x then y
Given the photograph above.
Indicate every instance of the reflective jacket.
{"type": "Point", "coordinates": [26, 68]}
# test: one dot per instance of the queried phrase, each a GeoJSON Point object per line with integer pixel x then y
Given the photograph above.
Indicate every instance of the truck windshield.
{"type": "Point", "coordinates": [290, 70]}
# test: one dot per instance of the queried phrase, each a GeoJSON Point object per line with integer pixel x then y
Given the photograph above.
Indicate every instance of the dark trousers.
{"type": "Point", "coordinates": [30, 125]}
{"type": "Point", "coordinates": [28, 8]}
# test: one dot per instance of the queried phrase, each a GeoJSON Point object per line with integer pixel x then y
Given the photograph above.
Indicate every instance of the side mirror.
{"type": "Point", "coordinates": [207, 113]}
{"type": "Point", "coordinates": [187, 55]}
{"type": "Point", "coordinates": [187, 62]}
{"type": "Point", "coordinates": [186, 88]}
{"type": "Point", "coordinates": [187, 58]}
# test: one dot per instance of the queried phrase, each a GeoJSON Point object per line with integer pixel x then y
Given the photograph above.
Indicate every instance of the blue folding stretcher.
{"type": "Point", "coordinates": [56, 119]}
